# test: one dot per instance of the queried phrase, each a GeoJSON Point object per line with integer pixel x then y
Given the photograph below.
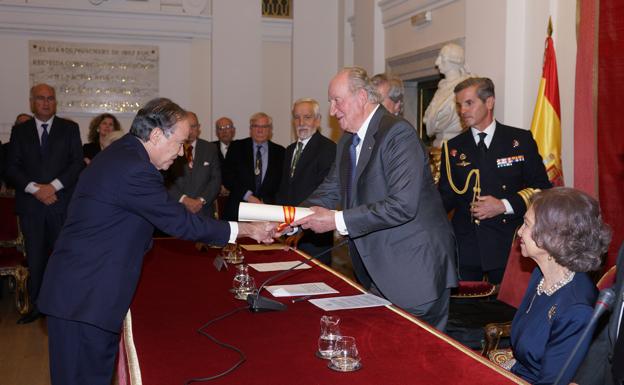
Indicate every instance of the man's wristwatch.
{"type": "Point", "coordinates": [203, 201]}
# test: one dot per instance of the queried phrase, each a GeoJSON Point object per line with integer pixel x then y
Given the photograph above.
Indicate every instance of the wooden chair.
{"type": "Point", "coordinates": [12, 258]}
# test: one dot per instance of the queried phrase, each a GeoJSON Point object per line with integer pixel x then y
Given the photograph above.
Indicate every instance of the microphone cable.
{"type": "Point", "coordinates": [242, 356]}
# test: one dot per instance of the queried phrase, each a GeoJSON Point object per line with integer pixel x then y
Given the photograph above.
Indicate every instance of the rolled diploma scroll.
{"type": "Point", "coordinates": [250, 212]}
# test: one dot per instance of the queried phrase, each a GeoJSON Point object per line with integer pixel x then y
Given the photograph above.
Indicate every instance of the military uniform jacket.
{"type": "Point", "coordinates": [512, 171]}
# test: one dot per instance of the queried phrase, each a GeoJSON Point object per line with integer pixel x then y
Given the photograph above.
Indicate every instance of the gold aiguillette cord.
{"type": "Point", "coordinates": [476, 190]}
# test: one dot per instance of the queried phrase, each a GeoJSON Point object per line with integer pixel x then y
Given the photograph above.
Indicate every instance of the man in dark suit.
{"type": "Point", "coordinates": [225, 131]}
{"type": "Point", "coordinates": [510, 169]}
{"type": "Point", "coordinates": [306, 164]}
{"type": "Point", "coordinates": [253, 166]}
{"type": "Point", "coordinates": [195, 178]}
{"type": "Point", "coordinates": [44, 161]}
{"type": "Point", "coordinates": [392, 90]}
{"type": "Point", "coordinates": [400, 240]}
{"type": "Point", "coordinates": [96, 264]}
{"type": "Point", "coordinates": [604, 362]}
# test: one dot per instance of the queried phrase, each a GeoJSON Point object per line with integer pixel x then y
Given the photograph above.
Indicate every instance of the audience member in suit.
{"type": "Point", "coordinates": [400, 240]}
{"type": "Point", "coordinates": [306, 164]}
{"type": "Point", "coordinates": [253, 166]}
{"type": "Point", "coordinates": [510, 169]}
{"type": "Point", "coordinates": [4, 152]}
{"type": "Point", "coordinates": [97, 260]}
{"type": "Point", "coordinates": [196, 176]}
{"type": "Point", "coordinates": [45, 159]}
{"type": "Point", "coordinates": [564, 234]}
{"type": "Point", "coordinates": [604, 362]}
{"type": "Point", "coordinates": [391, 90]}
{"type": "Point", "coordinates": [99, 128]}
{"type": "Point", "coordinates": [225, 131]}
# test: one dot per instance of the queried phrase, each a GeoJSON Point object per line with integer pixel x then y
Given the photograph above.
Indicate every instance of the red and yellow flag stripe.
{"type": "Point", "coordinates": [546, 124]}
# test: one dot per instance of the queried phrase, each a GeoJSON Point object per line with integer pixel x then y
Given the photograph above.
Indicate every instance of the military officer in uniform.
{"type": "Point", "coordinates": [510, 168]}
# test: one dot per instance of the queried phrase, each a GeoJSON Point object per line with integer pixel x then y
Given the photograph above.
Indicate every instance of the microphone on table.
{"type": "Point", "coordinates": [605, 300]}
{"type": "Point", "coordinates": [258, 303]}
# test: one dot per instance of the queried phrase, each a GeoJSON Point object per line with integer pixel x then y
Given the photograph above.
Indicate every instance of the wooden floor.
{"type": "Point", "coordinates": [23, 348]}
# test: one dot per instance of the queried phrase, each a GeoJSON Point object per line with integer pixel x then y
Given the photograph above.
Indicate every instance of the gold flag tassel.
{"type": "Point", "coordinates": [476, 190]}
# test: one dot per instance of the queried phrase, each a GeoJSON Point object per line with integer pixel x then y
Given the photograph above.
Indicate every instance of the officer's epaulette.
{"type": "Point", "coordinates": [527, 193]}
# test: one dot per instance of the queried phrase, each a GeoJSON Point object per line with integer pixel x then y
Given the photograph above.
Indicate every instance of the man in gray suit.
{"type": "Point", "coordinates": [195, 178]}
{"type": "Point", "coordinates": [401, 243]}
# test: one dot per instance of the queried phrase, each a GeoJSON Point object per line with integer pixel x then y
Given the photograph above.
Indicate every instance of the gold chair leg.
{"type": "Point", "coordinates": [22, 301]}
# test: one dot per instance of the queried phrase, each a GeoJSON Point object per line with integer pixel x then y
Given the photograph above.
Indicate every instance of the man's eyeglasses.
{"type": "Point", "coordinates": [228, 127]}
{"type": "Point", "coordinates": [261, 126]}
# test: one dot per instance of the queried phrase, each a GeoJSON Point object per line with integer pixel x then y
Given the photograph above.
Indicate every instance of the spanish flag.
{"type": "Point", "coordinates": [546, 124]}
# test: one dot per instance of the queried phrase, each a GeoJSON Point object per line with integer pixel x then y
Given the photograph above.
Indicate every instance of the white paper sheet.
{"type": "Point", "coordinates": [277, 266]}
{"type": "Point", "coordinates": [313, 288]}
{"type": "Point", "coordinates": [349, 302]}
{"type": "Point", "coordinates": [249, 212]}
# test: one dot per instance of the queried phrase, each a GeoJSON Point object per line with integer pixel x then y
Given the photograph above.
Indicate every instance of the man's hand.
{"type": "Point", "coordinates": [254, 199]}
{"type": "Point", "coordinates": [260, 231]}
{"type": "Point", "coordinates": [321, 221]}
{"type": "Point", "coordinates": [487, 207]}
{"type": "Point", "coordinates": [193, 205]}
{"type": "Point", "coordinates": [50, 200]}
{"type": "Point", "coordinates": [46, 193]}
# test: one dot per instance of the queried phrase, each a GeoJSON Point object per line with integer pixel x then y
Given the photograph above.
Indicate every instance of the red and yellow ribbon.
{"type": "Point", "coordinates": [289, 217]}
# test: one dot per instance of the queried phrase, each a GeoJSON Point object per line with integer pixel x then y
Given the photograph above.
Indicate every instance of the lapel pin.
{"type": "Point", "coordinates": [515, 143]}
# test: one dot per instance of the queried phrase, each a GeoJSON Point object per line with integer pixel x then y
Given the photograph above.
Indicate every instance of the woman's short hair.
{"type": "Point", "coordinates": [160, 112]}
{"type": "Point", "coordinates": [94, 135]}
{"type": "Point", "coordinates": [569, 226]}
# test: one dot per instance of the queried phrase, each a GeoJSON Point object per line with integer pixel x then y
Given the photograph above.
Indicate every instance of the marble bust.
{"type": "Point", "coordinates": [441, 116]}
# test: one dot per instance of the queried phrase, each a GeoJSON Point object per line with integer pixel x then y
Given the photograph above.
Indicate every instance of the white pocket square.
{"type": "Point", "coordinates": [206, 163]}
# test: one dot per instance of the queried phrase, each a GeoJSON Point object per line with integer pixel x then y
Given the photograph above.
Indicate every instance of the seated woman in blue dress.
{"type": "Point", "coordinates": [564, 233]}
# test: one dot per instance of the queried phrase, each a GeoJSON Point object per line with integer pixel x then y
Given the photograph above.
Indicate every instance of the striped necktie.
{"type": "Point", "coordinates": [296, 158]}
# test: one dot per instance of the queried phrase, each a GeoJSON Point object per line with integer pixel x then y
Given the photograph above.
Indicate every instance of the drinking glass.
{"type": "Point", "coordinates": [247, 286]}
{"type": "Point", "coordinates": [242, 271]}
{"type": "Point", "coordinates": [330, 333]}
{"type": "Point", "coordinates": [345, 357]}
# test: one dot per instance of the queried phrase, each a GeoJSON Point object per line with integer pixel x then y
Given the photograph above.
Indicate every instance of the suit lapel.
{"type": "Point", "coordinates": [344, 166]}
{"type": "Point", "coordinates": [308, 152]}
{"type": "Point", "coordinates": [469, 149]}
{"type": "Point", "coordinates": [619, 292]}
{"type": "Point", "coordinates": [367, 145]}
{"type": "Point", "coordinates": [249, 155]}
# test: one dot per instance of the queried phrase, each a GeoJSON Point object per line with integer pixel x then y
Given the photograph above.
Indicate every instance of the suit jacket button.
{"type": "Point", "coordinates": [504, 220]}
{"type": "Point", "coordinates": [504, 187]}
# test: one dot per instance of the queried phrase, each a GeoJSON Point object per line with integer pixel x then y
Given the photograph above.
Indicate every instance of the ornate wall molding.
{"type": "Point", "coordinates": [399, 11]}
{"type": "Point", "coordinates": [277, 30]}
{"type": "Point", "coordinates": [418, 64]}
{"type": "Point", "coordinates": [100, 22]}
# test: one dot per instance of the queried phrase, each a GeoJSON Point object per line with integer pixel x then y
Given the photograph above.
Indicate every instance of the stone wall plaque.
{"type": "Point", "coordinates": [95, 78]}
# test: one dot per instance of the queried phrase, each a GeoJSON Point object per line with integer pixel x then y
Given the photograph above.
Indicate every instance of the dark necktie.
{"type": "Point", "coordinates": [258, 170]}
{"type": "Point", "coordinates": [482, 147]}
{"type": "Point", "coordinates": [296, 158]}
{"type": "Point", "coordinates": [188, 152]}
{"type": "Point", "coordinates": [351, 170]}
{"type": "Point", "coordinates": [44, 139]}
{"type": "Point", "coordinates": [617, 367]}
